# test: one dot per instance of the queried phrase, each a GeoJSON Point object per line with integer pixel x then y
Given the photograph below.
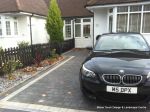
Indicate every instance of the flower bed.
{"type": "Point", "coordinates": [8, 81]}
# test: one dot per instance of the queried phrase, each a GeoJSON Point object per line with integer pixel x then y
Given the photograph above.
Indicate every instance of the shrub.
{"type": "Point", "coordinates": [1, 50]}
{"type": "Point", "coordinates": [23, 44]}
{"type": "Point", "coordinates": [54, 23]}
{"type": "Point", "coordinates": [54, 54]}
{"type": "Point", "coordinates": [38, 59]}
{"type": "Point", "coordinates": [11, 66]}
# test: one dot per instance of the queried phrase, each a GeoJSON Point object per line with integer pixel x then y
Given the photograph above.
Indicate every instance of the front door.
{"type": "Point", "coordinates": [83, 33]}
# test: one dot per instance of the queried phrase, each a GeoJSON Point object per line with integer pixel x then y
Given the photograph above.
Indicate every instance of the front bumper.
{"type": "Point", "coordinates": [99, 90]}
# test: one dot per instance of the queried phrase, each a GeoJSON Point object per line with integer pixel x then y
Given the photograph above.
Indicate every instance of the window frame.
{"type": "Point", "coordinates": [8, 29]}
{"type": "Point", "coordinates": [12, 20]}
{"type": "Point", "coordinates": [81, 23]}
{"type": "Point", "coordinates": [68, 24]}
{"type": "Point", "coordinates": [129, 12]}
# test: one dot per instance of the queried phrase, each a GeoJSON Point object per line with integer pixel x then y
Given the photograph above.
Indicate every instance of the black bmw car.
{"type": "Point", "coordinates": [118, 68]}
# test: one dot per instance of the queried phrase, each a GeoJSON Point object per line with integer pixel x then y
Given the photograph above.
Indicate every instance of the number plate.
{"type": "Point", "coordinates": [125, 90]}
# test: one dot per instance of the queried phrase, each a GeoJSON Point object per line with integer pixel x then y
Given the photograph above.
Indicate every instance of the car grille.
{"type": "Point", "coordinates": [113, 79]}
{"type": "Point", "coordinates": [125, 79]}
{"type": "Point", "coordinates": [131, 79]}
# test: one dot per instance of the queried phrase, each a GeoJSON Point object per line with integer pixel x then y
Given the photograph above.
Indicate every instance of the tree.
{"type": "Point", "coordinates": [54, 24]}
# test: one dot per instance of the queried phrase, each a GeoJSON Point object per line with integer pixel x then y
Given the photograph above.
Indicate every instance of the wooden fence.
{"type": "Point", "coordinates": [27, 54]}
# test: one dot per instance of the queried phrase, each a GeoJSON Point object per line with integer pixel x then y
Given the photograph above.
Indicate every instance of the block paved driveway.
{"type": "Point", "coordinates": [54, 91]}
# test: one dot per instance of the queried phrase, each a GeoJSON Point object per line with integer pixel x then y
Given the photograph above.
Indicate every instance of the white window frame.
{"type": "Point", "coordinates": [71, 24]}
{"type": "Point", "coordinates": [82, 25]}
{"type": "Point", "coordinates": [128, 12]}
{"type": "Point", "coordinates": [11, 20]}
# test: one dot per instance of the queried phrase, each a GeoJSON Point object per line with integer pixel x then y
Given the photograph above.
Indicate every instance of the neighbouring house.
{"type": "Point", "coordinates": [121, 16]}
{"type": "Point", "coordinates": [21, 20]}
{"type": "Point", "coordinates": [24, 20]}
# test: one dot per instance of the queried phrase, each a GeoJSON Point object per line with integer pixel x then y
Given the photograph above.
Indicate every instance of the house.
{"type": "Point", "coordinates": [121, 16]}
{"type": "Point", "coordinates": [24, 20]}
{"type": "Point", "coordinates": [83, 20]}
{"type": "Point", "coordinates": [78, 22]}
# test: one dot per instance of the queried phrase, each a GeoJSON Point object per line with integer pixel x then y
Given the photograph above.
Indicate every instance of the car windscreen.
{"type": "Point", "coordinates": [121, 41]}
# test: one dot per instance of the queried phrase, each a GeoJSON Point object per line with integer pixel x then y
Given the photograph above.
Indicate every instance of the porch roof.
{"type": "Point", "coordinates": [110, 2]}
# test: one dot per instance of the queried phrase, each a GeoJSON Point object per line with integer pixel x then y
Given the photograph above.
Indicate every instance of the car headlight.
{"type": "Point", "coordinates": [88, 73]}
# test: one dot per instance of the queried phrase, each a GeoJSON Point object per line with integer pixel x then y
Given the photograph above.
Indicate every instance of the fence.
{"type": "Point", "coordinates": [27, 54]}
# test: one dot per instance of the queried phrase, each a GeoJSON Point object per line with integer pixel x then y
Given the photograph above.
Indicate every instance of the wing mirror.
{"type": "Point", "coordinates": [89, 48]}
{"type": "Point", "coordinates": [98, 36]}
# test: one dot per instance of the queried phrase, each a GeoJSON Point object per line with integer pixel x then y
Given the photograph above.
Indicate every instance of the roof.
{"type": "Point", "coordinates": [69, 8]}
{"type": "Point", "coordinates": [107, 2]}
{"type": "Point", "coordinates": [73, 8]}
{"type": "Point", "coordinates": [30, 6]}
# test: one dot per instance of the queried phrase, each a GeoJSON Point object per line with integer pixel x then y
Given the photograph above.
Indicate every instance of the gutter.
{"type": "Point", "coordinates": [114, 5]}
{"type": "Point", "coordinates": [30, 21]}
{"type": "Point", "coordinates": [31, 37]}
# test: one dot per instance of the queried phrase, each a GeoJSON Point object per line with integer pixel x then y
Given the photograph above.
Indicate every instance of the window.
{"type": "Point", "coordinates": [86, 31]}
{"type": "Point", "coordinates": [78, 28]}
{"type": "Point", "coordinates": [68, 28]}
{"type": "Point", "coordinates": [8, 29]}
{"type": "Point", "coordinates": [8, 26]}
{"type": "Point", "coordinates": [146, 23]}
{"type": "Point", "coordinates": [129, 18]}
{"type": "Point", "coordinates": [146, 7]}
{"type": "Point", "coordinates": [110, 23]}
{"type": "Point", "coordinates": [78, 21]}
{"type": "Point", "coordinates": [135, 22]}
{"type": "Point", "coordinates": [15, 28]}
{"type": "Point", "coordinates": [122, 22]}
{"type": "Point", "coordinates": [86, 20]}
{"type": "Point", "coordinates": [135, 8]}
{"type": "Point", "coordinates": [122, 9]}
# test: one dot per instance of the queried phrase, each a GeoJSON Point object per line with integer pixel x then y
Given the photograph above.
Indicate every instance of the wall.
{"type": "Point", "coordinates": [39, 33]}
{"type": "Point", "coordinates": [100, 22]}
